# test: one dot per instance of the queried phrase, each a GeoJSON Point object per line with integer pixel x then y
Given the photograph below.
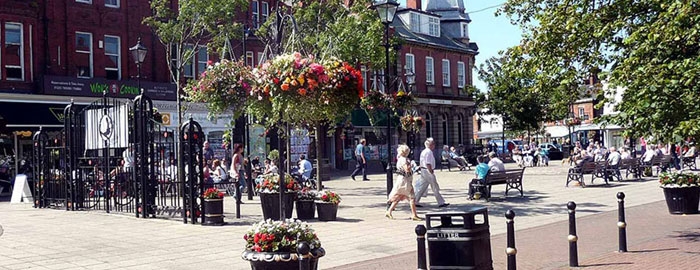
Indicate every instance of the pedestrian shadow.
{"type": "Point", "coordinates": [337, 220]}
{"type": "Point", "coordinates": [688, 236]}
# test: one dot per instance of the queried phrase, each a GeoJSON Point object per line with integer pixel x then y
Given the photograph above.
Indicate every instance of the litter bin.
{"type": "Point", "coordinates": [459, 240]}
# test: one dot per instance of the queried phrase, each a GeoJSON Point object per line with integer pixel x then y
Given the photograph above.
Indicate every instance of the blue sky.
{"type": "Point", "coordinates": [491, 33]}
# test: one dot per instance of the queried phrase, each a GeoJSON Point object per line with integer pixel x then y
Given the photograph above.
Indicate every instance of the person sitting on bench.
{"type": "Point", "coordinates": [481, 171]}
{"type": "Point", "coordinates": [463, 164]}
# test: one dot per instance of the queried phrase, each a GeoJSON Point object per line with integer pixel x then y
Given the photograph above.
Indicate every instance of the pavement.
{"type": "Point", "coordinates": [57, 239]}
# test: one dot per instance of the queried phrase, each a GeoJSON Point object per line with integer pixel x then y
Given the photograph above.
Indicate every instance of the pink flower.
{"type": "Point", "coordinates": [209, 63]}
{"type": "Point", "coordinates": [316, 68]}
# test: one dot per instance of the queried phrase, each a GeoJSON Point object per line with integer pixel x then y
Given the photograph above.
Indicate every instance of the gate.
{"type": "Point", "coordinates": [191, 141]}
{"type": "Point", "coordinates": [50, 184]}
{"type": "Point", "coordinates": [116, 156]}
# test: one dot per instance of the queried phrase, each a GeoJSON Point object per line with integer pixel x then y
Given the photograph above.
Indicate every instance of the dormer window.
{"type": "Point", "coordinates": [415, 22]}
{"type": "Point", "coordinates": [434, 26]}
{"type": "Point", "coordinates": [465, 30]}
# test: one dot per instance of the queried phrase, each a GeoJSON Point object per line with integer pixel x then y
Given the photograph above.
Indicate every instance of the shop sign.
{"type": "Point", "coordinates": [59, 85]}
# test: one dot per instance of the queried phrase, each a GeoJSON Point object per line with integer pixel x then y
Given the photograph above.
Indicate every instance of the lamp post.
{"type": "Point", "coordinates": [410, 81]}
{"type": "Point", "coordinates": [387, 10]}
{"type": "Point", "coordinates": [138, 52]}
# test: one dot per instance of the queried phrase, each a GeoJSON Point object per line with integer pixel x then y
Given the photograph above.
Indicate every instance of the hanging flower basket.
{"type": "Point", "coordinates": [573, 121]}
{"type": "Point", "coordinates": [411, 123]}
{"type": "Point", "coordinates": [223, 86]}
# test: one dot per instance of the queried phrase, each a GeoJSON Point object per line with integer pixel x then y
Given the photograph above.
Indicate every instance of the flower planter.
{"type": "Point", "coordinates": [306, 209]}
{"type": "Point", "coordinates": [270, 203]}
{"type": "Point", "coordinates": [213, 212]}
{"type": "Point", "coordinates": [682, 200]}
{"type": "Point", "coordinates": [327, 211]}
{"type": "Point", "coordinates": [279, 260]}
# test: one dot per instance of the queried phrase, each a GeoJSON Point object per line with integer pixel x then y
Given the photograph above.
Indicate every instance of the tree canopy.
{"type": "Point", "coordinates": [649, 48]}
{"type": "Point", "coordinates": [511, 93]}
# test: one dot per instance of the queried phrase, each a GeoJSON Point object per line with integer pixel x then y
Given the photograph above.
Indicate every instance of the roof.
{"type": "Point", "coordinates": [450, 10]}
{"type": "Point", "coordinates": [442, 41]}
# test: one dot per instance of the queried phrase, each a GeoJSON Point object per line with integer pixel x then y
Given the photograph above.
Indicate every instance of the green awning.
{"type": "Point", "coordinates": [359, 118]}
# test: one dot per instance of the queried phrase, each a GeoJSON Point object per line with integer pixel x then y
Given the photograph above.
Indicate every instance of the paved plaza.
{"type": "Point", "coordinates": [56, 239]}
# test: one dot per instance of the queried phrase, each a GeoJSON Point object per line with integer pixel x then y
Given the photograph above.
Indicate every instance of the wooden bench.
{"type": "Point", "coordinates": [595, 169]}
{"type": "Point", "coordinates": [689, 162]}
{"type": "Point", "coordinates": [445, 163]}
{"type": "Point", "coordinates": [661, 163]}
{"type": "Point", "coordinates": [513, 179]}
{"type": "Point", "coordinates": [631, 166]}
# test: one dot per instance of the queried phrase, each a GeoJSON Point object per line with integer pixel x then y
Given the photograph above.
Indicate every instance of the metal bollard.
{"type": "Point", "coordinates": [621, 224]}
{"type": "Point", "coordinates": [510, 249]}
{"type": "Point", "coordinates": [573, 249]}
{"type": "Point", "coordinates": [241, 177]}
{"type": "Point", "coordinates": [304, 256]}
{"type": "Point", "coordinates": [420, 239]}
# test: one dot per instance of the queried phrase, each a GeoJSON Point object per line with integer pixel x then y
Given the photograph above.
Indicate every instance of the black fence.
{"type": "Point", "coordinates": [115, 156]}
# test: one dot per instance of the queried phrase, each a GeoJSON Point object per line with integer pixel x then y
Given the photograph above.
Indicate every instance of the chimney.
{"type": "Point", "coordinates": [414, 4]}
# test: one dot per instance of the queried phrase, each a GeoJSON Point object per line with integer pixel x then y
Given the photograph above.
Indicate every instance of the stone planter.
{"type": "Point", "coordinates": [682, 200]}
{"type": "Point", "coordinates": [327, 211]}
{"type": "Point", "coordinates": [279, 260]}
{"type": "Point", "coordinates": [213, 212]}
{"type": "Point", "coordinates": [270, 203]}
{"type": "Point", "coordinates": [306, 209]}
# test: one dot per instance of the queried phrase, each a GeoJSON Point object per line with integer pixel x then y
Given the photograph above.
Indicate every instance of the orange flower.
{"type": "Point", "coordinates": [284, 87]}
{"type": "Point", "coordinates": [302, 91]}
{"type": "Point", "coordinates": [267, 89]}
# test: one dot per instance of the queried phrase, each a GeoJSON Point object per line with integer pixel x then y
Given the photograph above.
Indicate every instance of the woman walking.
{"type": "Point", "coordinates": [403, 188]}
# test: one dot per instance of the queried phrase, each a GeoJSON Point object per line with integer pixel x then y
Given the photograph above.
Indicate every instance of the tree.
{"type": "Point", "coordinates": [647, 47]}
{"type": "Point", "coordinates": [511, 94]}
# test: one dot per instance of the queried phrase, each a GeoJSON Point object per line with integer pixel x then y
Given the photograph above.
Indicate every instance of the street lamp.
{"type": "Point", "coordinates": [387, 10]}
{"type": "Point", "coordinates": [410, 81]}
{"type": "Point", "coordinates": [138, 52]}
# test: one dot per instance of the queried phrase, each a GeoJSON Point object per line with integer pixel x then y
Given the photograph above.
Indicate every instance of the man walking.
{"type": "Point", "coordinates": [361, 161]}
{"type": "Point", "coordinates": [427, 164]}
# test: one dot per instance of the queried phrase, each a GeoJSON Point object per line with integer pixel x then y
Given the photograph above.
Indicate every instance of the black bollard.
{"type": "Point", "coordinates": [621, 224]}
{"type": "Point", "coordinates": [420, 238]}
{"type": "Point", "coordinates": [510, 249]}
{"type": "Point", "coordinates": [304, 256]}
{"type": "Point", "coordinates": [573, 249]}
{"type": "Point", "coordinates": [241, 177]}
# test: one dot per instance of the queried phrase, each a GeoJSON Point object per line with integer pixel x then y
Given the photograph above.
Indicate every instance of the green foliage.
{"type": "Point", "coordinates": [330, 29]}
{"type": "Point", "coordinates": [511, 91]}
{"type": "Point", "coordinates": [647, 47]}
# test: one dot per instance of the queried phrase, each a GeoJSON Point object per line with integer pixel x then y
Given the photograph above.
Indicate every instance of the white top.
{"type": "Point", "coordinates": [690, 152]}
{"type": "Point", "coordinates": [649, 155]}
{"type": "Point", "coordinates": [128, 159]}
{"type": "Point", "coordinates": [496, 165]}
{"type": "Point", "coordinates": [271, 169]}
{"type": "Point", "coordinates": [625, 155]}
{"type": "Point", "coordinates": [614, 158]}
{"type": "Point", "coordinates": [426, 157]}
{"type": "Point", "coordinates": [221, 172]}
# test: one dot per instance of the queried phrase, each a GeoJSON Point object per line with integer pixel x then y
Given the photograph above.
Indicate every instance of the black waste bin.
{"type": "Point", "coordinates": [459, 240]}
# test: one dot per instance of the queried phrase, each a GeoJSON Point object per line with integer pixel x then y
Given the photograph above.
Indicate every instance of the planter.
{"type": "Point", "coordinates": [213, 212]}
{"type": "Point", "coordinates": [682, 200]}
{"type": "Point", "coordinates": [327, 211]}
{"type": "Point", "coordinates": [306, 209]}
{"type": "Point", "coordinates": [270, 203]}
{"type": "Point", "coordinates": [280, 260]}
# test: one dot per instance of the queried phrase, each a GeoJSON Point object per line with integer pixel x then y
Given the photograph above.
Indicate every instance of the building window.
{"type": "Point", "coordinates": [410, 63]}
{"type": "Point", "coordinates": [261, 58]}
{"type": "Point", "coordinates": [13, 58]}
{"type": "Point", "coordinates": [445, 129]}
{"type": "Point", "coordinates": [113, 53]}
{"type": "Point", "coordinates": [265, 11]}
{"type": "Point", "coordinates": [202, 59]}
{"type": "Point", "coordinates": [83, 59]}
{"type": "Point", "coordinates": [189, 65]}
{"type": "Point", "coordinates": [249, 58]}
{"type": "Point", "coordinates": [581, 112]}
{"type": "Point", "coordinates": [428, 125]}
{"type": "Point", "coordinates": [415, 22]}
{"type": "Point", "coordinates": [460, 74]}
{"type": "Point", "coordinates": [112, 3]}
{"type": "Point", "coordinates": [465, 30]}
{"type": "Point", "coordinates": [460, 132]}
{"type": "Point", "coordinates": [429, 71]}
{"type": "Point", "coordinates": [434, 27]}
{"type": "Point", "coordinates": [445, 72]}
{"type": "Point", "coordinates": [84, 1]}
{"type": "Point", "coordinates": [256, 14]}
{"type": "Point", "coordinates": [378, 80]}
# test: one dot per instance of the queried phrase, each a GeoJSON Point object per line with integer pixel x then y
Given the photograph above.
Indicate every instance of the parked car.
{"type": "Point", "coordinates": [554, 152]}
{"type": "Point", "coordinates": [509, 144]}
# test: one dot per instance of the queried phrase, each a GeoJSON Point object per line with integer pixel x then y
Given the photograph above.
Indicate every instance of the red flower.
{"type": "Point", "coordinates": [256, 238]}
{"type": "Point", "coordinates": [324, 197]}
{"type": "Point", "coordinates": [257, 248]}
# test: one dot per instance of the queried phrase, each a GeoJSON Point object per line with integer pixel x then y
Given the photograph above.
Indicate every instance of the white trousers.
{"type": "Point", "coordinates": [429, 179]}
